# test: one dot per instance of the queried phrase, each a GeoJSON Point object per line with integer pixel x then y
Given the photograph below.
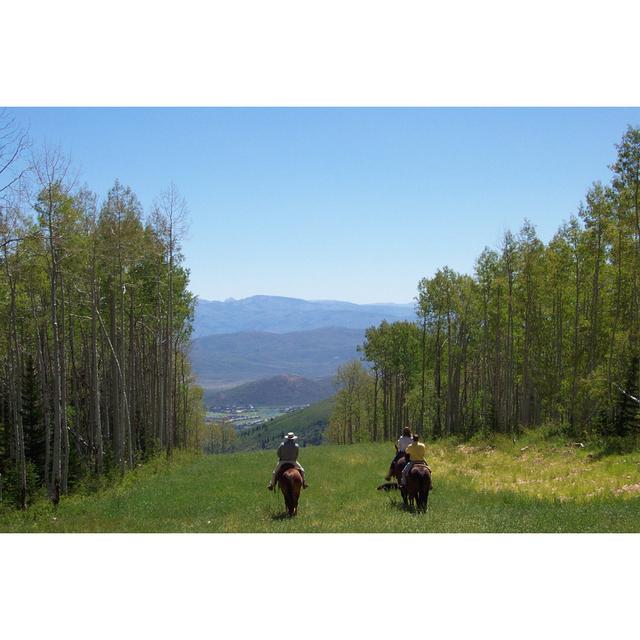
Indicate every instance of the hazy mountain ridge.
{"type": "Point", "coordinates": [219, 360]}
{"type": "Point", "coordinates": [278, 390]}
{"type": "Point", "coordinates": [278, 314]}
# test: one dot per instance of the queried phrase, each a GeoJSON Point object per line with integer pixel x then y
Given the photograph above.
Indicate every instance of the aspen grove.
{"type": "Point", "coordinates": [540, 334]}
{"type": "Point", "coordinates": [95, 317]}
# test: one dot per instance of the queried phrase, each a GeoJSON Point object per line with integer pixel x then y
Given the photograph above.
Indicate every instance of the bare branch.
{"type": "Point", "coordinates": [626, 393]}
{"type": "Point", "coordinates": [14, 141]}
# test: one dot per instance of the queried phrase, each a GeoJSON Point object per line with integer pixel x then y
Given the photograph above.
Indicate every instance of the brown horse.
{"type": "Point", "coordinates": [290, 483]}
{"type": "Point", "coordinates": [418, 486]}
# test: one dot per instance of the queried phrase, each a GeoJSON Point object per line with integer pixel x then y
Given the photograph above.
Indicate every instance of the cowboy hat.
{"type": "Point", "coordinates": [291, 436]}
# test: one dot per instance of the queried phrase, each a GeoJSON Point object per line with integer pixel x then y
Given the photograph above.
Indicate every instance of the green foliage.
{"type": "Point", "coordinates": [628, 412]}
{"type": "Point", "coordinates": [219, 437]}
{"type": "Point", "coordinates": [11, 485]}
{"type": "Point", "coordinates": [96, 317]}
{"type": "Point", "coordinates": [309, 424]}
{"type": "Point", "coordinates": [540, 334]}
{"type": "Point", "coordinates": [32, 419]}
{"type": "Point", "coordinates": [353, 411]}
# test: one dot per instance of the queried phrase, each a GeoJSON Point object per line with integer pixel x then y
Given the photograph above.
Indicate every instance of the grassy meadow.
{"type": "Point", "coordinates": [530, 485]}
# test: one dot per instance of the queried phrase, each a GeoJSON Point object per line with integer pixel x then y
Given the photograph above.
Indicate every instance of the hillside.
{"type": "Point", "coordinates": [309, 424]}
{"type": "Point", "coordinates": [277, 314]}
{"type": "Point", "coordinates": [476, 489]}
{"type": "Point", "coordinates": [278, 390]}
{"type": "Point", "coordinates": [221, 360]}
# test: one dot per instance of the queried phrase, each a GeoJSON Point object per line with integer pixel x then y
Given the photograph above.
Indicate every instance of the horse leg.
{"type": "Point", "coordinates": [294, 497]}
{"type": "Point", "coordinates": [295, 494]}
{"type": "Point", "coordinates": [286, 493]}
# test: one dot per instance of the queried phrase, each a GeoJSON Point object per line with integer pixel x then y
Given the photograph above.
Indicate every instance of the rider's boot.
{"type": "Point", "coordinates": [304, 482]}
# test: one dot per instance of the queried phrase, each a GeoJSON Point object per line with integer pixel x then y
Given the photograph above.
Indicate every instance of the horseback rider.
{"type": "Point", "coordinates": [416, 452]}
{"type": "Point", "coordinates": [287, 454]}
{"type": "Point", "coordinates": [403, 442]}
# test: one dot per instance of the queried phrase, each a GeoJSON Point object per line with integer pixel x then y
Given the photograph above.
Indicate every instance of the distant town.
{"type": "Point", "coordinates": [245, 416]}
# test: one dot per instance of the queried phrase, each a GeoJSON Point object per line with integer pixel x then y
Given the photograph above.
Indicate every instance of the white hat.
{"type": "Point", "coordinates": [291, 436]}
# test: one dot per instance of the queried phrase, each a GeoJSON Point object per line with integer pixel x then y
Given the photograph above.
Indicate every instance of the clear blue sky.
{"type": "Point", "coordinates": [349, 204]}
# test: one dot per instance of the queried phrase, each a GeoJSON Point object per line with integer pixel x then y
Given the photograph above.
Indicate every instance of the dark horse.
{"type": "Point", "coordinates": [290, 483]}
{"type": "Point", "coordinates": [418, 484]}
{"type": "Point", "coordinates": [398, 466]}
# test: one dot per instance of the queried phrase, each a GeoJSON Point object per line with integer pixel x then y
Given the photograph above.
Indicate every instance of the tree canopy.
{"type": "Point", "coordinates": [540, 333]}
{"type": "Point", "coordinates": [96, 317]}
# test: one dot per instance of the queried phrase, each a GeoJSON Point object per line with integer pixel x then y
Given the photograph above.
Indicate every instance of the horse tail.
{"type": "Point", "coordinates": [424, 486]}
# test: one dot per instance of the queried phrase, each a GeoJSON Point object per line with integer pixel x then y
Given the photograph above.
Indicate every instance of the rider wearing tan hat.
{"type": "Point", "coordinates": [287, 454]}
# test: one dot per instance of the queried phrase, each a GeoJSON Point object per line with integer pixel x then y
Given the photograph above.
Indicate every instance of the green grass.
{"type": "Point", "coordinates": [548, 487]}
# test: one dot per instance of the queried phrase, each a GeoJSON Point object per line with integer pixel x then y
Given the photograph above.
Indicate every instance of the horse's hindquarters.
{"type": "Point", "coordinates": [290, 485]}
{"type": "Point", "coordinates": [418, 486]}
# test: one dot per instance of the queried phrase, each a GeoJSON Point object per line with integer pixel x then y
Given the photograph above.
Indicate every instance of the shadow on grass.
{"type": "Point", "coordinates": [398, 505]}
{"type": "Point", "coordinates": [281, 516]}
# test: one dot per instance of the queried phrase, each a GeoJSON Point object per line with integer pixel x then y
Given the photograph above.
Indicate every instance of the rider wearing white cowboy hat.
{"type": "Point", "coordinates": [287, 454]}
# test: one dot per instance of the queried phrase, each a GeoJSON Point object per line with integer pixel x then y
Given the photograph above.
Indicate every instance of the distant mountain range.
{"type": "Point", "coordinates": [276, 314]}
{"type": "Point", "coordinates": [223, 360]}
{"type": "Point", "coordinates": [264, 339]}
{"type": "Point", "coordinates": [276, 391]}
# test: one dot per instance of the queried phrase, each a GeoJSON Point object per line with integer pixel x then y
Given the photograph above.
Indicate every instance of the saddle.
{"type": "Point", "coordinates": [285, 467]}
{"type": "Point", "coordinates": [421, 463]}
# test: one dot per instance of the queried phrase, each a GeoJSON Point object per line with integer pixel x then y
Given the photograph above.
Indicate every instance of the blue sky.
{"type": "Point", "coordinates": [349, 204]}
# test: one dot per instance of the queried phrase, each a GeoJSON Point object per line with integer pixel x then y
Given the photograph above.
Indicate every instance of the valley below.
{"type": "Point", "coordinates": [270, 359]}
